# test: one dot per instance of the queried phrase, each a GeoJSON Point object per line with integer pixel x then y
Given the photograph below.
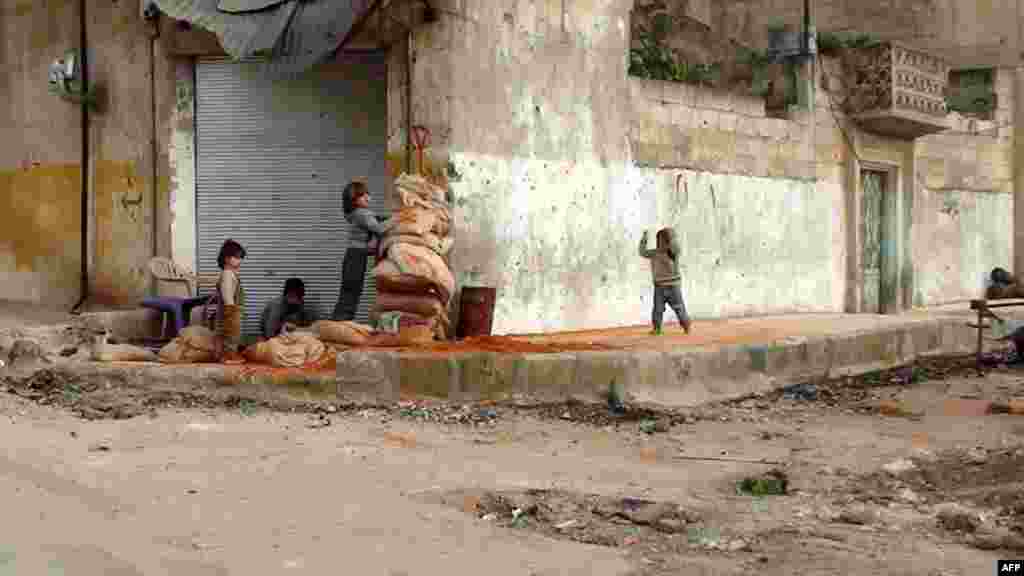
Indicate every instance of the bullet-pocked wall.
{"type": "Point", "coordinates": [127, 179]}
{"type": "Point", "coordinates": [558, 161]}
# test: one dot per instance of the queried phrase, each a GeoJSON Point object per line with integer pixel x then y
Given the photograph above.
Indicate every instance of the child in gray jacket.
{"type": "Point", "coordinates": [665, 273]}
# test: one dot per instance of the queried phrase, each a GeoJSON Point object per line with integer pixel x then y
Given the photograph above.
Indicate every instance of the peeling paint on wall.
{"type": "Point", "coordinates": [181, 157]}
{"type": "Point", "coordinates": [970, 234]}
{"type": "Point", "coordinates": [40, 238]}
{"type": "Point", "coordinates": [560, 241]}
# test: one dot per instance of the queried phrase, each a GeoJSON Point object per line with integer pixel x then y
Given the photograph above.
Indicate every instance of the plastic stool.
{"type": "Point", "coordinates": [178, 309]}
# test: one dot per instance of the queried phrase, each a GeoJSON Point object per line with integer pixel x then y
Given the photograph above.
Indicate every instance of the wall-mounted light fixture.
{"type": "Point", "coordinates": [66, 79]}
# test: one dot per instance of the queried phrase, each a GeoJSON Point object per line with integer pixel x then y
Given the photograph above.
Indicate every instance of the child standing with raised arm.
{"type": "Point", "coordinates": [665, 273]}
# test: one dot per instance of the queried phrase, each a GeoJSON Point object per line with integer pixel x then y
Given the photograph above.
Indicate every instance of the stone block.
{"type": "Point", "coordinates": [546, 376]}
{"type": "Point", "coordinates": [598, 372]}
{"type": "Point", "coordinates": [368, 375]}
{"type": "Point", "coordinates": [648, 375]}
{"type": "Point", "coordinates": [682, 117]}
{"type": "Point", "coordinates": [430, 374]}
{"type": "Point", "coordinates": [727, 122]}
{"type": "Point", "coordinates": [487, 376]}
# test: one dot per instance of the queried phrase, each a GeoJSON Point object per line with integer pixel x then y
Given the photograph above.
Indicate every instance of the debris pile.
{"type": "Point", "coordinates": [414, 281]}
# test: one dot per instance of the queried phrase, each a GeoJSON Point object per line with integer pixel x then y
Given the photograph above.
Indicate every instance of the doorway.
{"type": "Point", "coordinates": [883, 240]}
{"type": "Point", "coordinates": [872, 184]}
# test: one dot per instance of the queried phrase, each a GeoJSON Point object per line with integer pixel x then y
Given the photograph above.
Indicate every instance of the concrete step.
{"type": "Point", "coordinates": [670, 377]}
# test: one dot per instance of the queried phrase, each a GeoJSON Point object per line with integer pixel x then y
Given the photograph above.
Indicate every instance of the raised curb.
{"type": "Point", "coordinates": [679, 377]}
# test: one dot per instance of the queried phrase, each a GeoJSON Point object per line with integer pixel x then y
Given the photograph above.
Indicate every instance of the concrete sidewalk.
{"type": "Point", "coordinates": [720, 360]}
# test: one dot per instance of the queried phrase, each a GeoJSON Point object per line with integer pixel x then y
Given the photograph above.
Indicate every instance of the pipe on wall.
{"type": "Point", "coordinates": [84, 63]}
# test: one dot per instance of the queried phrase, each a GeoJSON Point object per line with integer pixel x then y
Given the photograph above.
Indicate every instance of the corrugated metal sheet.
{"type": "Point", "coordinates": [296, 34]}
{"type": "Point", "coordinates": [272, 158]}
{"type": "Point", "coordinates": [241, 35]}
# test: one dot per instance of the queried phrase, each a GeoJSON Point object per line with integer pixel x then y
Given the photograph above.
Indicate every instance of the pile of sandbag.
{"type": "Point", "coordinates": [414, 281]}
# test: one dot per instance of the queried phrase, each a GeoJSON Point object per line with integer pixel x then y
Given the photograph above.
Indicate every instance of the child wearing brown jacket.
{"type": "Point", "coordinates": [665, 274]}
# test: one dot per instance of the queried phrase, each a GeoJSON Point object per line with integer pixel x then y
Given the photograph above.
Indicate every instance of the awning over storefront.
{"type": "Point", "coordinates": [294, 34]}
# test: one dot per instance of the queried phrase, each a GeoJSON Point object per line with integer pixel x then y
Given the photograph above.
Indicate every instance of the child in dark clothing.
{"type": "Point", "coordinates": [665, 273]}
{"type": "Point", "coordinates": [364, 228]}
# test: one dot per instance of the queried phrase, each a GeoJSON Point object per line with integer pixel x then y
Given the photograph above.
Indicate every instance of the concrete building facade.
{"type": "Point", "coordinates": [557, 159]}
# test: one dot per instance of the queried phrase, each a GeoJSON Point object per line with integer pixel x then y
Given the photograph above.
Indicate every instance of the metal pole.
{"type": "Point", "coordinates": [807, 27]}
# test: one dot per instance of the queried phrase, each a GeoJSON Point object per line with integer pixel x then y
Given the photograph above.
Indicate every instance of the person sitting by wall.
{"type": "Point", "coordinates": [287, 312]}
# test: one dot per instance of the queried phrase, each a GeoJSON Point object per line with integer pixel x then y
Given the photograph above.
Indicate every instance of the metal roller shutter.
{"type": "Point", "coordinates": [272, 159]}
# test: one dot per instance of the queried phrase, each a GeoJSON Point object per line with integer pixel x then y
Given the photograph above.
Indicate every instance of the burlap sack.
{"type": "Point", "coordinates": [409, 187]}
{"type": "Point", "coordinates": [194, 344]}
{"type": "Point", "coordinates": [413, 222]}
{"type": "Point", "coordinates": [346, 333]}
{"type": "Point", "coordinates": [431, 241]}
{"type": "Point", "coordinates": [103, 352]}
{"type": "Point", "coordinates": [417, 262]}
{"type": "Point", "coordinates": [427, 305]}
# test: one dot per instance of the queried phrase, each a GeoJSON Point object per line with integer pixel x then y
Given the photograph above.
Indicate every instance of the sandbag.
{"type": "Point", "coordinates": [418, 262]}
{"type": "Point", "coordinates": [295, 349]}
{"type": "Point", "coordinates": [413, 222]}
{"type": "Point", "coordinates": [347, 333]}
{"type": "Point", "coordinates": [194, 344]}
{"type": "Point", "coordinates": [287, 351]}
{"type": "Point", "coordinates": [415, 186]}
{"type": "Point", "coordinates": [440, 246]}
{"type": "Point", "coordinates": [104, 352]}
{"type": "Point", "coordinates": [427, 305]}
{"type": "Point", "coordinates": [394, 322]}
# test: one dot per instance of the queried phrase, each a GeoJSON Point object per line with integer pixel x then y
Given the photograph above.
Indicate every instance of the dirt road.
{"type": "Point", "coordinates": [928, 490]}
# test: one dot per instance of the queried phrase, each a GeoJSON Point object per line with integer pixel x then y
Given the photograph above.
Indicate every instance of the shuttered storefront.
{"type": "Point", "coordinates": [272, 159]}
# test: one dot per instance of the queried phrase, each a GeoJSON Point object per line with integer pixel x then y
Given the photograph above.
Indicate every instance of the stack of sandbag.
{"type": "Point", "coordinates": [290, 350]}
{"type": "Point", "coordinates": [194, 344]}
{"type": "Point", "coordinates": [413, 276]}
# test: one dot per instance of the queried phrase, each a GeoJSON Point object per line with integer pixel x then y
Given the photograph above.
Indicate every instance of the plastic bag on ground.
{"type": "Point", "coordinates": [194, 344]}
{"type": "Point", "coordinates": [346, 333]}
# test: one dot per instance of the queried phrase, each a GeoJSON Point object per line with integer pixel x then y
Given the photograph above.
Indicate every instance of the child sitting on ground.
{"type": "Point", "coordinates": [665, 273]}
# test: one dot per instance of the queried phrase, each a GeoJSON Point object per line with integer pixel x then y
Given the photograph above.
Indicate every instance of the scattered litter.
{"type": "Point", "coordinates": [99, 448]}
{"type": "Point", "coordinates": [738, 545]}
{"type": "Point", "coordinates": [651, 426]}
{"type": "Point", "coordinates": [775, 483]}
{"type": "Point", "coordinates": [489, 517]}
{"type": "Point", "coordinates": [805, 392]}
{"type": "Point", "coordinates": [956, 518]}
{"type": "Point", "coordinates": [566, 525]}
{"type": "Point", "coordinates": [900, 466]}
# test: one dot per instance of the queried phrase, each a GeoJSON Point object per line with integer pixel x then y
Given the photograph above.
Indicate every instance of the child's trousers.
{"type": "Point", "coordinates": [673, 297]}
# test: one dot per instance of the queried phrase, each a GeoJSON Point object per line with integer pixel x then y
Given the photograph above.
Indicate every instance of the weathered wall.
{"type": "Point", "coordinates": [40, 157]}
{"type": "Point", "coordinates": [965, 190]}
{"type": "Point", "coordinates": [970, 34]}
{"type": "Point", "coordinates": [41, 163]}
{"type": "Point", "coordinates": [181, 157]}
{"type": "Point", "coordinates": [122, 153]}
{"type": "Point", "coordinates": [558, 162]}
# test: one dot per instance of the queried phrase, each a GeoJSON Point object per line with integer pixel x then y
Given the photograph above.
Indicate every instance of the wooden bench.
{"type": "Point", "coordinates": [983, 308]}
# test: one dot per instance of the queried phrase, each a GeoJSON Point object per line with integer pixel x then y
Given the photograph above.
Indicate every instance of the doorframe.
{"type": "Point", "coordinates": [895, 234]}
